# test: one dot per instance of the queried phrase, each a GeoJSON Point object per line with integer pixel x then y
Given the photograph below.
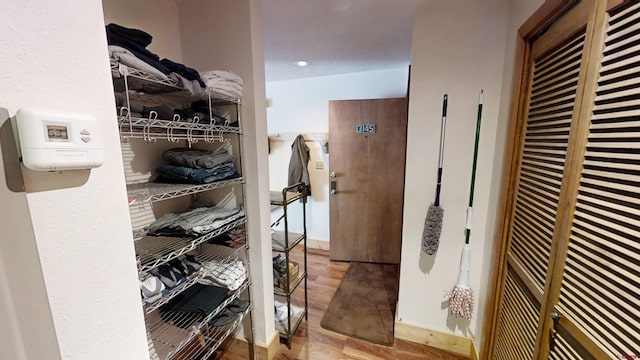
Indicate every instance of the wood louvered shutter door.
{"type": "Point", "coordinates": [598, 297]}
{"type": "Point", "coordinates": [550, 108]}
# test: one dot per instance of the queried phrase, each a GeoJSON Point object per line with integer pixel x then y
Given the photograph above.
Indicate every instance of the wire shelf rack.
{"type": "Point", "coordinates": [146, 85]}
{"type": "Point", "coordinates": [150, 192]}
{"type": "Point", "coordinates": [218, 253]}
{"type": "Point", "coordinates": [154, 251]}
{"type": "Point", "coordinates": [294, 283]}
{"type": "Point", "coordinates": [281, 326]}
{"type": "Point", "coordinates": [150, 130]}
{"type": "Point", "coordinates": [278, 199]}
{"type": "Point", "coordinates": [176, 334]}
{"type": "Point", "coordinates": [278, 241]}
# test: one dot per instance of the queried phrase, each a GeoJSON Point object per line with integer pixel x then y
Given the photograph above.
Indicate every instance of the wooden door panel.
{"type": "Point", "coordinates": [584, 282]}
{"type": "Point", "coordinates": [519, 321]}
{"type": "Point", "coordinates": [550, 110]}
{"type": "Point", "coordinates": [598, 295]}
{"type": "Point", "coordinates": [366, 211]}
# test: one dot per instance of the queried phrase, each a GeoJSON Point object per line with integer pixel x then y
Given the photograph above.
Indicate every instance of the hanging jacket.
{"type": "Point", "coordinates": [298, 170]}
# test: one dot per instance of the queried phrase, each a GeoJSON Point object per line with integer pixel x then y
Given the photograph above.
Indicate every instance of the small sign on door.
{"type": "Point", "coordinates": [365, 128]}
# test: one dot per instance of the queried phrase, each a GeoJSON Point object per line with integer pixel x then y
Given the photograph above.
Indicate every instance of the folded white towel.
{"type": "Point", "coordinates": [126, 57]}
{"type": "Point", "coordinates": [224, 74]}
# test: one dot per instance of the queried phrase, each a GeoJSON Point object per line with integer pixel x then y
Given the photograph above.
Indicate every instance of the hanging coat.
{"type": "Point", "coordinates": [298, 170]}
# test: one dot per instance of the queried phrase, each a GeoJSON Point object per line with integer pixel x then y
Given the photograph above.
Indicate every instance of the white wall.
{"type": "Point", "coordinates": [72, 226]}
{"type": "Point", "coordinates": [302, 106]}
{"type": "Point", "coordinates": [227, 35]}
{"type": "Point", "coordinates": [459, 49]}
{"type": "Point", "coordinates": [156, 17]}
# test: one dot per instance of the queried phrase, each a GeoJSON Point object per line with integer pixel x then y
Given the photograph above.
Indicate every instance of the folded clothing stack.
{"type": "Point", "coordinates": [129, 47]}
{"type": "Point", "coordinates": [279, 268]}
{"type": "Point", "coordinates": [167, 276]}
{"type": "Point", "coordinates": [194, 222]}
{"type": "Point", "coordinates": [281, 315]}
{"type": "Point", "coordinates": [234, 238]}
{"type": "Point", "coordinates": [193, 305]}
{"type": "Point", "coordinates": [134, 42]}
{"type": "Point", "coordinates": [231, 274]}
{"type": "Point", "coordinates": [223, 82]}
{"type": "Point", "coordinates": [193, 166]}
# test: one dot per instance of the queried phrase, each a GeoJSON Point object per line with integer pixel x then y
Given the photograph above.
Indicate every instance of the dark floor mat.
{"type": "Point", "coordinates": [364, 305]}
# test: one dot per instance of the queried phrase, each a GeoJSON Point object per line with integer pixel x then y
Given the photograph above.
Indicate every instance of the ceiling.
{"type": "Point", "coordinates": [336, 36]}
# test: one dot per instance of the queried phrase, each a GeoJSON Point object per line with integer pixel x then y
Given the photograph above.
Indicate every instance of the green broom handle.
{"type": "Point", "coordinates": [475, 163]}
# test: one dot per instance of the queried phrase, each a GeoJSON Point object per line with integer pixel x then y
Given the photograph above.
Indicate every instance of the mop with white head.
{"type": "Point", "coordinates": [461, 297]}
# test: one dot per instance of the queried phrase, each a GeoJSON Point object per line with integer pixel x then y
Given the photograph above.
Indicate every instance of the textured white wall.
{"type": "Point", "coordinates": [159, 18]}
{"type": "Point", "coordinates": [227, 35]}
{"type": "Point", "coordinates": [302, 106]}
{"type": "Point", "coordinates": [459, 49]}
{"type": "Point", "coordinates": [55, 57]}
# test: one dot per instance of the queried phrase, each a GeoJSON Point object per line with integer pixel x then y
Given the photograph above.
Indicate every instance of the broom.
{"type": "Point", "coordinates": [433, 221]}
{"type": "Point", "coordinates": [461, 297]}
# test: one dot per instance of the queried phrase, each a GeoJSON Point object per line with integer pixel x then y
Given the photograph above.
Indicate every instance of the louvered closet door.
{"type": "Point", "coordinates": [550, 107]}
{"type": "Point", "coordinates": [598, 301]}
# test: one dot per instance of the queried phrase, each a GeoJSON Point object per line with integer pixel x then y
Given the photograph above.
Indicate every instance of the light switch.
{"type": "Point", "coordinates": [319, 164]}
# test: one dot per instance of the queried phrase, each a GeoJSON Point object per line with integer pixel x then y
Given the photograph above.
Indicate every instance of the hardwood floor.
{"type": "Point", "coordinates": [312, 342]}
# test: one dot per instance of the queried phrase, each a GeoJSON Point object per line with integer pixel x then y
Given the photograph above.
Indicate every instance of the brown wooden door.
{"type": "Point", "coordinates": [368, 163]}
{"type": "Point", "coordinates": [572, 253]}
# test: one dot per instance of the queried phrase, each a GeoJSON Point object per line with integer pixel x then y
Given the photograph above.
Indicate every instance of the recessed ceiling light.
{"type": "Point", "coordinates": [302, 63]}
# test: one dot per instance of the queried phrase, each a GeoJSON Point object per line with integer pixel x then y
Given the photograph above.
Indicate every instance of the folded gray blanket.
{"type": "Point", "coordinates": [196, 159]}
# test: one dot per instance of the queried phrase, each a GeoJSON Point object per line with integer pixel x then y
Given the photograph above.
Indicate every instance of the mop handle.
{"type": "Point", "coordinates": [473, 170]}
{"type": "Point", "coordinates": [441, 155]}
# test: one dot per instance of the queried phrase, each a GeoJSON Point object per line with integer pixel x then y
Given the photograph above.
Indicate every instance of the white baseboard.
{"type": "Point", "coordinates": [318, 244]}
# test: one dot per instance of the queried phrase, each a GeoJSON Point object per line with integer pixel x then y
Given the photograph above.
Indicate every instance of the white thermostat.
{"type": "Point", "coordinates": [52, 140]}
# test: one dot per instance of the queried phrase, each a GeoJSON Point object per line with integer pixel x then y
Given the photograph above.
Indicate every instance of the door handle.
{"type": "Point", "coordinates": [333, 174]}
{"type": "Point", "coordinates": [555, 316]}
{"type": "Point", "coordinates": [333, 188]}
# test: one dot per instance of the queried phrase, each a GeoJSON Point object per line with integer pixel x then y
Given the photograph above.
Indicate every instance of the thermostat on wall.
{"type": "Point", "coordinates": [52, 140]}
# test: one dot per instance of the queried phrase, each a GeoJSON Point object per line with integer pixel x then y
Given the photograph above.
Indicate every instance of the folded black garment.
{"type": "Point", "coordinates": [189, 115]}
{"type": "Point", "coordinates": [133, 37]}
{"type": "Point", "coordinates": [186, 115]}
{"type": "Point", "coordinates": [121, 101]}
{"type": "Point", "coordinates": [164, 113]}
{"type": "Point", "coordinates": [203, 107]}
{"type": "Point", "coordinates": [188, 175]}
{"type": "Point", "coordinates": [200, 105]}
{"type": "Point", "coordinates": [222, 239]}
{"type": "Point", "coordinates": [193, 305]}
{"type": "Point", "coordinates": [135, 41]}
{"type": "Point", "coordinates": [186, 72]}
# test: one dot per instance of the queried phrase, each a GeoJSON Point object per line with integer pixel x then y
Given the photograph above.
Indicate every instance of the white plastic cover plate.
{"type": "Point", "coordinates": [55, 140]}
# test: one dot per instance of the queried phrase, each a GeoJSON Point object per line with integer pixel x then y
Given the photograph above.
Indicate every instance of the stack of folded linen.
{"type": "Point", "coordinates": [129, 47]}
{"type": "Point", "coordinates": [282, 317]}
{"type": "Point", "coordinates": [223, 82]}
{"type": "Point", "coordinates": [229, 274]}
{"type": "Point", "coordinates": [194, 166]}
{"type": "Point", "coordinates": [196, 221]}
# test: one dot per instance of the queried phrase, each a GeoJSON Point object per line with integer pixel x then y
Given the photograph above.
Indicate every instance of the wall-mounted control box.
{"type": "Point", "coordinates": [53, 140]}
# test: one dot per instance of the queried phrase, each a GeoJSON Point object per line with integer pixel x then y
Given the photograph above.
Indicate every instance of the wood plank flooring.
{"type": "Point", "coordinates": [312, 342]}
